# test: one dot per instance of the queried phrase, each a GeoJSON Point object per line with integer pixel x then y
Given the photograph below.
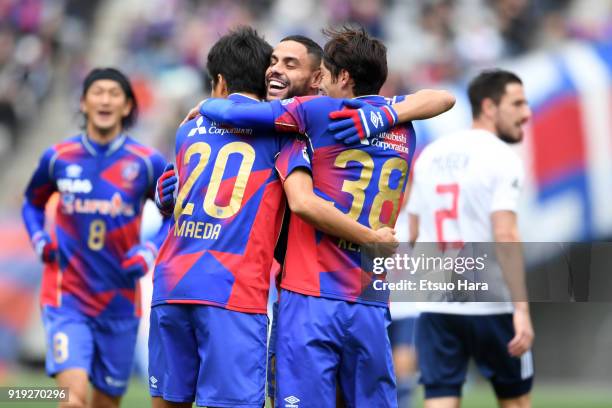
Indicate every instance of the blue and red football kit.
{"type": "Point", "coordinates": [90, 295]}
{"type": "Point", "coordinates": [323, 280]}
{"type": "Point", "coordinates": [212, 273]}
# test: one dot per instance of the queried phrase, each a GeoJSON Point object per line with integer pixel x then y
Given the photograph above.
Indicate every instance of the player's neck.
{"type": "Point", "coordinates": [102, 136]}
{"type": "Point", "coordinates": [484, 125]}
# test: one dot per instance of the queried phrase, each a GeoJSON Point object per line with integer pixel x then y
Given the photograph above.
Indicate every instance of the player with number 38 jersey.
{"type": "Point", "coordinates": [364, 181]}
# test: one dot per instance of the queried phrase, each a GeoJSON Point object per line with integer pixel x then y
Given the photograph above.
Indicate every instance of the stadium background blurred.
{"type": "Point", "coordinates": [561, 48]}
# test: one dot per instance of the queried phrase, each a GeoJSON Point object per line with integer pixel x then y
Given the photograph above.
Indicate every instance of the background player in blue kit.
{"type": "Point", "coordinates": [329, 314]}
{"type": "Point", "coordinates": [208, 321]}
{"type": "Point", "coordinates": [90, 291]}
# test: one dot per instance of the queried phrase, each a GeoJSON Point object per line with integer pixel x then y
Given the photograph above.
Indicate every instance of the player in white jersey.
{"type": "Point", "coordinates": [466, 189]}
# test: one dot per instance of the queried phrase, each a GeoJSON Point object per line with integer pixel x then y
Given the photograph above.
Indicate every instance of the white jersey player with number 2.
{"type": "Point", "coordinates": [466, 189]}
{"type": "Point", "coordinates": [459, 181]}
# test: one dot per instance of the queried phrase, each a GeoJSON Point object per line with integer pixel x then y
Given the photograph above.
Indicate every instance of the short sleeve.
{"type": "Point", "coordinates": [294, 154]}
{"type": "Point", "coordinates": [415, 200]}
{"type": "Point", "coordinates": [42, 184]}
{"type": "Point", "coordinates": [507, 185]}
{"type": "Point", "coordinates": [289, 115]}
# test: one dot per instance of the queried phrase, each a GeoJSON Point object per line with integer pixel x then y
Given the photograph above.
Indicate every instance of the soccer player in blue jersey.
{"type": "Point", "coordinates": [208, 321]}
{"type": "Point", "coordinates": [294, 70]}
{"type": "Point", "coordinates": [90, 291]}
{"type": "Point", "coordinates": [332, 324]}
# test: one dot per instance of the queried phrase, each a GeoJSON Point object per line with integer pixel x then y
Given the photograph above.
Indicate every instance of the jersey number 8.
{"type": "Point", "coordinates": [97, 232]}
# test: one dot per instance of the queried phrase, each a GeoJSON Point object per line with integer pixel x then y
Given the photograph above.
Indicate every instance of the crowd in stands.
{"type": "Point", "coordinates": [164, 43]}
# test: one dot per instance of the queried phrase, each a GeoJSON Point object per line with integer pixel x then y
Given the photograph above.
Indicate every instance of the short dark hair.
{"type": "Point", "coordinates": [312, 47]}
{"type": "Point", "coordinates": [114, 74]}
{"type": "Point", "coordinates": [364, 57]}
{"type": "Point", "coordinates": [489, 84]}
{"type": "Point", "coordinates": [242, 57]}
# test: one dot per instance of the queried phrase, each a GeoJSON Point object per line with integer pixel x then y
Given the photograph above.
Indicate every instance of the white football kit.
{"type": "Point", "coordinates": [459, 181]}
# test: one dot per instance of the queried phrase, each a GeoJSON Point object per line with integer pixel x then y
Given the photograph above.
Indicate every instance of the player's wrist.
{"type": "Point", "coordinates": [391, 115]}
{"type": "Point", "coordinates": [371, 237]}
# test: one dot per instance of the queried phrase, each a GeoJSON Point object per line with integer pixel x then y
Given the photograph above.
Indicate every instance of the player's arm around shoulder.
{"type": "Point", "coordinates": [324, 216]}
{"type": "Point", "coordinates": [424, 104]}
{"type": "Point", "coordinates": [241, 115]}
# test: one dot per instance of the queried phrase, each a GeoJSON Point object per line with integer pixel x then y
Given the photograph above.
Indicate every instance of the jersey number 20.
{"type": "Point", "coordinates": [203, 150]}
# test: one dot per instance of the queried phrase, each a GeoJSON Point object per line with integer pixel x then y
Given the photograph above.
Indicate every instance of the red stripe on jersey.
{"type": "Point", "coordinates": [41, 194]}
{"type": "Point", "coordinates": [286, 123]}
{"type": "Point", "coordinates": [67, 223]}
{"type": "Point", "coordinates": [120, 240]}
{"type": "Point", "coordinates": [251, 269]}
{"type": "Point", "coordinates": [388, 114]}
{"type": "Point", "coordinates": [50, 286]}
{"type": "Point", "coordinates": [254, 183]}
{"type": "Point", "coordinates": [139, 150]}
{"type": "Point", "coordinates": [299, 252]}
{"type": "Point", "coordinates": [74, 282]}
{"type": "Point", "coordinates": [118, 175]}
{"type": "Point", "coordinates": [177, 266]}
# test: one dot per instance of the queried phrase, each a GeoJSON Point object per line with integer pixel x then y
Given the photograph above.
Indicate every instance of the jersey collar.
{"type": "Point", "coordinates": [238, 97]}
{"type": "Point", "coordinates": [111, 148]}
{"type": "Point", "coordinates": [373, 99]}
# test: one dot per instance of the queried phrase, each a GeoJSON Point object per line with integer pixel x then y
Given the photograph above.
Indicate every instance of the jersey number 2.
{"type": "Point", "coordinates": [447, 213]}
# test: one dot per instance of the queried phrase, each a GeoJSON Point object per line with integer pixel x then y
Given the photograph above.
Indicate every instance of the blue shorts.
{"type": "Point", "coordinates": [207, 354]}
{"type": "Point", "coordinates": [445, 343]}
{"type": "Point", "coordinates": [104, 347]}
{"type": "Point", "coordinates": [321, 341]}
{"type": "Point", "coordinates": [401, 331]}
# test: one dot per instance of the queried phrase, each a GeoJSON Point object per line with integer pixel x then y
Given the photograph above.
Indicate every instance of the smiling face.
{"type": "Point", "coordinates": [329, 86]}
{"type": "Point", "coordinates": [105, 104]}
{"type": "Point", "coordinates": [291, 72]}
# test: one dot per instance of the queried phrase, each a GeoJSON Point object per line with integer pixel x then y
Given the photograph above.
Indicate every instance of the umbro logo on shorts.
{"type": "Point", "coordinates": [291, 402]}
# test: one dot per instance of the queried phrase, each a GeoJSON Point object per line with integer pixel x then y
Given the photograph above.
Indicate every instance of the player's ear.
{"type": "Point", "coordinates": [488, 107]}
{"type": "Point", "coordinates": [219, 87]}
{"type": "Point", "coordinates": [82, 106]}
{"type": "Point", "coordinates": [127, 108]}
{"type": "Point", "coordinates": [344, 77]}
{"type": "Point", "coordinates": [315, 79]}
{"type": "Point", "coordinates": [345, 80]}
